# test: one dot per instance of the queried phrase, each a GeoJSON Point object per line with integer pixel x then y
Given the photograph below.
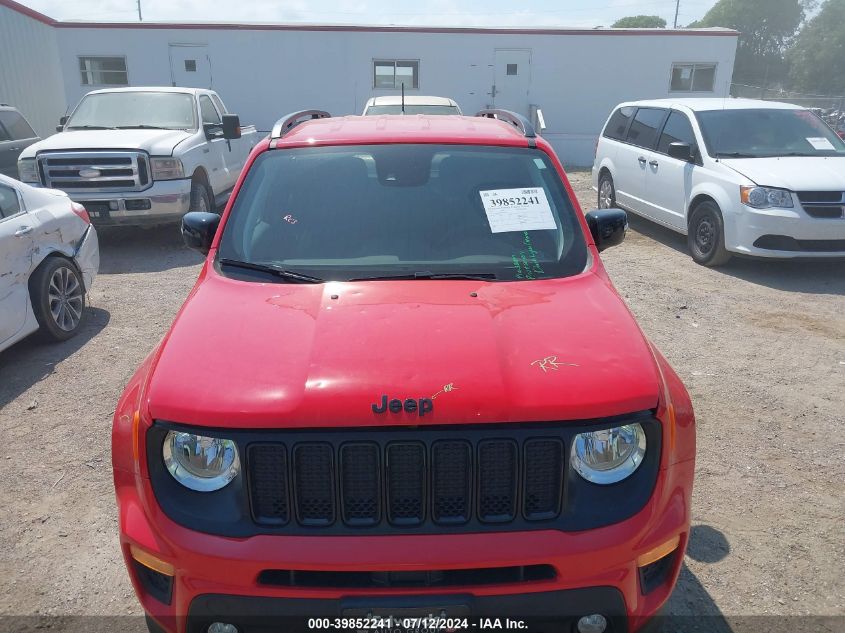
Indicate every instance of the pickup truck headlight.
{"type": "Point", "coordinates": [610, 455]}
{"type": "Point", "coordinates": [167, 168]}
{"type": "Point", "coordinates": [765, 197]}
{"type": "Point", "coordinates": [28, 171]}
{"type": "Point", "coordinates": [201, 463]}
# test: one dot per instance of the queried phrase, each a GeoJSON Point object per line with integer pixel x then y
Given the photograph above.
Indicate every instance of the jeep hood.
{"type": "Point", "coordinates": [796, 173]}
{"type": "Point", "coordinates": [154, 142]}
{"type": "Point", "coordinates": [252, 355]}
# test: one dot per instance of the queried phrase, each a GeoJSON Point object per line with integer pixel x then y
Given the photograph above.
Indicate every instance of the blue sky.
{"type": "Point", "coordinates": [574, 13]}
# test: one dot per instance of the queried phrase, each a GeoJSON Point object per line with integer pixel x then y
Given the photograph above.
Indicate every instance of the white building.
{"type": "Point", "coordinates": [263, 71]}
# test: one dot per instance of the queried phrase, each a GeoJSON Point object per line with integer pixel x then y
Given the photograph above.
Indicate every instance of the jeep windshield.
{"type": "Point", "coordinates": [403, 211]}
{"type": "Point", "coordinates": [134, 110]}
{"type": "Point", "coordinates": [761, 132]}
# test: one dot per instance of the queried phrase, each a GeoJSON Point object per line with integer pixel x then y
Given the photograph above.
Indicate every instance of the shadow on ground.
{"type": "Point", "coordinates": [811, 276]}
{"type": "Point", "coordinates": [143, 250]}
{"type": "Point", "coordinates": [33, 359]}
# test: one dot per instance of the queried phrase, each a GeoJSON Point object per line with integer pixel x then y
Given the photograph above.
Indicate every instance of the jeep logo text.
{"type": "Point", "coordinates": [423, 405]}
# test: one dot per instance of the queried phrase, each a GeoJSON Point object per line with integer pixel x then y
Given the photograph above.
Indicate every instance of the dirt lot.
{"type": "Point", "coordinates": [760, 345]}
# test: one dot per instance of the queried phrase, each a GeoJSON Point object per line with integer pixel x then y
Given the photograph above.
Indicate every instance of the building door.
{"type": "Point", "coordinates": [512, 79]}
{"type": "Point", "coordinates": [190, 66]}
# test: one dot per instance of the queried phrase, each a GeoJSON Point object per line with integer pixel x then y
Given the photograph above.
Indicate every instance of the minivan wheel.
{"type": "Point", "coordinates": [706, 235]}
{"type": "Point", "coordinates": [607, 193]}
{"type": "Point", "coordinates": [58, 298]}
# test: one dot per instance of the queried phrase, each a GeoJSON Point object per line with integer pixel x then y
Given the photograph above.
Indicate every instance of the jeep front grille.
{"type": "Point", "coordinates": [103, 172]}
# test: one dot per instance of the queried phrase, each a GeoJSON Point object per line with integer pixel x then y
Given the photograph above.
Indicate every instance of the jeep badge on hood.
{"type": "Point", "coordinates": [423, 405]}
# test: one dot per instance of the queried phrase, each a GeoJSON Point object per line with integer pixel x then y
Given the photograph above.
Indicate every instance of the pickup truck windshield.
{"type": "Point", "coordinates": [407, 211]}
{"type": "Point", "coordinates": [411, 109]}
{"type": "Point", "coordinates": [132, 110]}
{"type": "Point", "coordinates": [759, 133]}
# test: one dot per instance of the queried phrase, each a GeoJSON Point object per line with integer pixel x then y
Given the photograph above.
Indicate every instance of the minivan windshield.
{"type": "Point", "coordinates": [135, 109]}
{"type": "Point", "coordinates": [416, 211]}
{"type": "Point", "coordinates": [766, 132]}
{"type": "Point", "coordinates": [412, 109]}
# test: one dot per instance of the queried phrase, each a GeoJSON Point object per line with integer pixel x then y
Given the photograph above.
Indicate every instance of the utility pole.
{"type": "Point", "coordinates": [677, 7]}
{"type": "Point", "coordinates": [141, 18]}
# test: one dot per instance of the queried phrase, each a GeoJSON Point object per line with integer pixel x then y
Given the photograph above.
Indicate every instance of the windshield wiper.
{"type": "Point", "coordinates": [90, 127]}
{"type": "Point", "coordinates": [429, 275]}
{"type": "Point", "coordinates": [141, 127]}
{"type": "Point", "coordinates": [735, 155]}
{"type": "Point", "coordinates": [287, 275]}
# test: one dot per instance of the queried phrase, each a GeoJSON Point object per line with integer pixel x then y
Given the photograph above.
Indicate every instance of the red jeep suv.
{"type": "Point", "coordinates": [403, 395]}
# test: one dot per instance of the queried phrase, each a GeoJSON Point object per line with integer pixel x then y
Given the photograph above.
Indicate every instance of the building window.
{"type": "Point", "coordinates": [692, 77]}
{"type": "Point", "coordinates": [511, 69]}
{"type": "Point", "coordinates": [190, 65]}
{"type": "Point", "coordinates": [394, 73]}
{"type": "Point", "coordinates": [103, 71]}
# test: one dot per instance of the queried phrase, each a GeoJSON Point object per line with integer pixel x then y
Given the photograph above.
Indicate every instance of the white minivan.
{"type": "Point", "coordinates": [734, 175]}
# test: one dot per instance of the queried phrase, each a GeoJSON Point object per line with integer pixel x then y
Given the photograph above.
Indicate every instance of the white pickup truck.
{"type": "Point", "coordinates": [136, 156]}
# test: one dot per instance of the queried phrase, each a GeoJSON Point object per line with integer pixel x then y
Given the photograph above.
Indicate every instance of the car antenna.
{"type": "Point", "coordinates": [403, 97]}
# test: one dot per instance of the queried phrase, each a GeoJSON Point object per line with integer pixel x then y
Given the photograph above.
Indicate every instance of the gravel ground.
{"type": "Point", "coordinates": [760, 345]}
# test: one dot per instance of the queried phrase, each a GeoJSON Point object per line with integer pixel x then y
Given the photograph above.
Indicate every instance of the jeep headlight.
{"type": "Point", "coordinates": [167, 168]}
{"type": "Point", "coordinates": [765, 197]}
{"type": "Point", "coordinates": [28, 171]}
{"type": "Point", "coordinates": [609, 455]}
{"type": "Point", "coordinates": [200, 463]}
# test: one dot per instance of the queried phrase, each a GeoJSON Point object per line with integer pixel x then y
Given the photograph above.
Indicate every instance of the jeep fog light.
{"type": "Point", "coordinates": [609, 455]}
{"type": "Point", "coordinates": [200, 463]}
{"type": "Point", "coordinates": [595, 623]}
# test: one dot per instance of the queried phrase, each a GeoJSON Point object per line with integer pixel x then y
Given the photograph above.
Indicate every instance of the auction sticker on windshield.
{"type": "Point", "coordinates": [820, 143]}
{"type": "Point", "coordinates": [517, 210]}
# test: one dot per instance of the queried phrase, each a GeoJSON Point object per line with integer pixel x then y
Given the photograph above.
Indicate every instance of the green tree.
{"type": "Point", "coordinates": [817, 58]}
{"type": "Point", "coordinates": [640, 22]}
{"type": "Point", "coordinates": [766, 28]}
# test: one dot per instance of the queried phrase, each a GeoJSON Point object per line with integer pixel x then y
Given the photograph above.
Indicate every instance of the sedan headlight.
{"type": "Point", "coordinates": [167, 168]}
{"type": "Point", "coordinates": [201, 463]}
{"type": "Point", "coordinates": [28, 171]}
{"type": "Point", "coordinates": [609, 455]}
{"type": "Point", "coordinates": [765, 197]}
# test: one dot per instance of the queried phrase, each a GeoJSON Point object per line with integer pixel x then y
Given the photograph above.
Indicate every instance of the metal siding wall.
{"type": "Point", "coordinates": [30, 70]}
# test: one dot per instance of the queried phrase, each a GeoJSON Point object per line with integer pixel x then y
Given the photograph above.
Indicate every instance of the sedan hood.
{"type": "Point", "coordinates": [796, 173]}
{"type": "Point", "coordinates": [252, 355]}
{"type": "Point", "coordinates": [154, 142]}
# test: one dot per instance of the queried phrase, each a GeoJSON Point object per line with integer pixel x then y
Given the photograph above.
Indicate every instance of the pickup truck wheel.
{"type": "Point", "coordinates": [200, 197]}
{"type": "Point", "coordinates": [706, 235]}
{"type": "Point", "coordinates": [58, 298]}
{"type": "Point", "coordinates": [607, 192]}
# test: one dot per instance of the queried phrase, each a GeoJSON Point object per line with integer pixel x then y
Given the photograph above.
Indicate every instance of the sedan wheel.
{"type": "Point", "coordinates": [58, 298]}
{"type": "Point", "coordinates": [66, 298]}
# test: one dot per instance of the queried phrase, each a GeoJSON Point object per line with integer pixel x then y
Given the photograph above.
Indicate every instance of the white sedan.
{"type": "Point", "coordinates": [49, 256]}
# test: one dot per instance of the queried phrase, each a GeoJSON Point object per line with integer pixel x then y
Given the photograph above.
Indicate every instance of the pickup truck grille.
{"type": "Point", "coordinates": [823, 204]}
{"type": "Point", "coordinates": [406, 483]}
{"type": "Point", "coordinates": [104, 172]}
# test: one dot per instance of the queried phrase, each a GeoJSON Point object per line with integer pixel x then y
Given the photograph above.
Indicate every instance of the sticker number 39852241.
{"type": "Point", "coordinates": [517, 210]}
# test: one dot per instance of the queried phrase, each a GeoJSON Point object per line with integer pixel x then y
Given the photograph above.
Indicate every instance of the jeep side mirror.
{"type": "Point", "coordinates": [231, 126]}
{"type": "Point", "coordinates": [681, 151]}
{"type": "Point", "coordinates": [198, 229]}
{"type": "Point", "coordinates": [607, 226]}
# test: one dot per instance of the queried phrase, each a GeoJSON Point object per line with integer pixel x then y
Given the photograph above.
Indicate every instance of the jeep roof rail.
{"type": "Point", "coordinates": [517, 120]}
{"type": "Point", "coordinates": [290, 121]}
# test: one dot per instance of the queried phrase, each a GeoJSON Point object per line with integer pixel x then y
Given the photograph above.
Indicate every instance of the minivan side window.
{"type": "Point", "coordinates": [16, 125]}
{"type": "Point", "coordinates": [618, 123]}
{"type": "Point", "coordinates": [677, 130]}
{"type": "Point", "coordinates": [643, 130]}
